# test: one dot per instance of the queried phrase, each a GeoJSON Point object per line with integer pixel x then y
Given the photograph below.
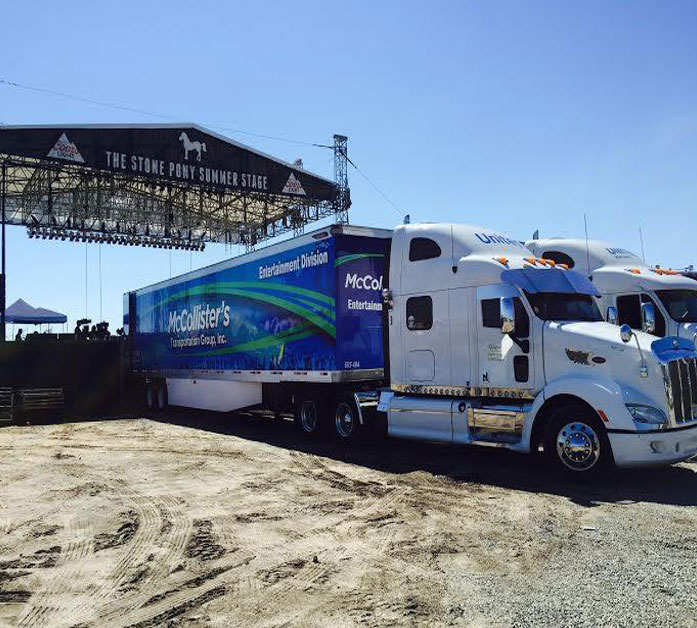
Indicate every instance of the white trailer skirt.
{"type": "Point", "coordinates": [216, 395]}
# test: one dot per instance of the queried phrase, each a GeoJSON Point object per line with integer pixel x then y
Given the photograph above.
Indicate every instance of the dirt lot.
{"type": "Point", "coordinates": [233, 521]}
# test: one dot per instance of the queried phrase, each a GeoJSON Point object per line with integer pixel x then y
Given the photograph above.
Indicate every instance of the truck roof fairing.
{"type": "Point", "coordinates": [613, 269]}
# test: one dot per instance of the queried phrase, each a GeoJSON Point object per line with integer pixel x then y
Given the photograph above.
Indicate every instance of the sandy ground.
{"type": "Point", "coordinates": [233, 521]}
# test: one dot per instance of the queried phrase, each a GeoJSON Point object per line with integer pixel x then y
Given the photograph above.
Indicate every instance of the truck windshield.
{"type": "Point", "coordinates": [680, 304]}
{"type": "Point", "coordinates": [562, 306]}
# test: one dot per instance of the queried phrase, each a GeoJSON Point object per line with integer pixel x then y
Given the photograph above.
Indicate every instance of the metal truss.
{"type": "Point", "coordinates": [343, 200]}
{"type": "Point", "coordinates": [74, 198]}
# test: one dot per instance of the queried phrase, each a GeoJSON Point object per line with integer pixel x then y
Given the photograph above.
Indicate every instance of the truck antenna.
{"type": "Point", "coordinates": [641, 239]}
{"type": "Point", "coordinates": [588, 255]}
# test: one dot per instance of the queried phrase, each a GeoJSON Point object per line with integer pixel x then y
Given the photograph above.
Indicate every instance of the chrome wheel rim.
{"type": "Point", "coordinates": [308, 416]}
{"type": "Point", "coordinates": [343, 418]}
{"type": "Point", "coordinates": [578, 446]}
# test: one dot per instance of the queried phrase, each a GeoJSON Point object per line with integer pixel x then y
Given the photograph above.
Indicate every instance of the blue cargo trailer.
{"type": "Point", "coordinates": [306, 310]}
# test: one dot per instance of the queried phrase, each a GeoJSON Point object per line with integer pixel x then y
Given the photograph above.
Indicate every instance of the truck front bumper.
{"type": "Point", "coordinates": [653, 448]}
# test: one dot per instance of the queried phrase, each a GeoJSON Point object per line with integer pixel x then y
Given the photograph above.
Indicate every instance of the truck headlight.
{"type": "Point", "coordinates": [647, 417]}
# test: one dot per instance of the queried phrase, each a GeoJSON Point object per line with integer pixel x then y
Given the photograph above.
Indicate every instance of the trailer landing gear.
{"type": "Point", "coordinates": [156, 396]}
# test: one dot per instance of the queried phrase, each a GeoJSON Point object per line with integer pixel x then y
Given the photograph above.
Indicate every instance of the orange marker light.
{"type": "Point", "coordinates": [530, 260]}
{"type": "Point", "coordinates": [502, 260]}
{"type": "Point", "coordinates": [603, 416]}
{"type": "Point", "coordinates": [634, 271]}
{"type": "Point", "coordinates": [564, 266]}
{"type": "Point", "coordinates": [551, 262]}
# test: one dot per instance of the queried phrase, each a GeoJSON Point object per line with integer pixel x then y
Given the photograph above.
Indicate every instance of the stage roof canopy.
{"type": "Point", "coordinates": [176, 183]}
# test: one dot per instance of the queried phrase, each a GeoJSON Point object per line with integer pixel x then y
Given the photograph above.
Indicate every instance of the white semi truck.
{"type": "Point", "coordinates": [658, 300]}
{"type": "Point", "coordinates": [464, 335]}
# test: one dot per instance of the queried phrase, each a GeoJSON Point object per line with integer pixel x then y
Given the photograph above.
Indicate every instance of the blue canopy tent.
{"type": "Point", "coordinates": [21, 313]}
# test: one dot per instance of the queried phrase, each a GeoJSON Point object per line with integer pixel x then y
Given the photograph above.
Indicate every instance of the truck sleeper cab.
{"type": "Point", "coordinates": [629, 288]}
{"type": "Point", "coordinates": [490, 345]}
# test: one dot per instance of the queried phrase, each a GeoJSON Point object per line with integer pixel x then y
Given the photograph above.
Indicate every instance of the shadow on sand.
{"type": "Point", "coordinates": [676, 485]}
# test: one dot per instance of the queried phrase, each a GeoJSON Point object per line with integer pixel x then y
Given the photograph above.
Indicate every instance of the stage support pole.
{"type": "Point", "coordinates": [3, 282]}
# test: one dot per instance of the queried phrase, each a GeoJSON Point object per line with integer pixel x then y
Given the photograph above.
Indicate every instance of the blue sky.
{"type": "Point", "coordinates": [517, 115]}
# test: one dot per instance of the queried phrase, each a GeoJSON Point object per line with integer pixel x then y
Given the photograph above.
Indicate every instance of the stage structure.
{"type": "Point", "coordinates": [165, 186]}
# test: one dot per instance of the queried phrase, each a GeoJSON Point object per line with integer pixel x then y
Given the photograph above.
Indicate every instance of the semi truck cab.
{"type": "Point", "coordinates": [629, 288]}
{"type": "Point", "coordinates": [490, 344]}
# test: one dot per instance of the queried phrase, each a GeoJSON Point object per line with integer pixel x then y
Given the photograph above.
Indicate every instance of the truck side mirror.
{"type": "Point", "coordinates": [648, 318]}
{"type": "Point", "coordinates": [507, 315]}
{"type": "Point", "coordinates": [625, 333]}
{"type": "Point", "coordinates": [612, 316]}
{"type": "Point", "coordinates": [387, 298]}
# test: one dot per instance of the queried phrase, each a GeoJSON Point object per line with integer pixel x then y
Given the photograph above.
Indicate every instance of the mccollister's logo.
{"type": "Point", "coordinates": [65, 149]}
{"type": "Point", "coordinates": [293, 186]}
{"type": "Point", "coordinates": [367, 282]}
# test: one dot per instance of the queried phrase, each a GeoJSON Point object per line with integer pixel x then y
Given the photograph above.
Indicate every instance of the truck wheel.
{"type": "Point", "coordinates": [346, 421]}
{"type": "Point", "coordinates": [576, 442]}
{"type": "Point", "coordinates": [308, 416]}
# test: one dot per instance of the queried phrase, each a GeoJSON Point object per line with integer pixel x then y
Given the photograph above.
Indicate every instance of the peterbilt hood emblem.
{"type": "Point", "coordinates": [579, 356]}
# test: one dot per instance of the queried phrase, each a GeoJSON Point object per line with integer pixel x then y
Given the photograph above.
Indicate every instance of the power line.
{"type": "Point", "coordinates": [162, 116]}
{"type": "Point", "coordinates": [153, 114]}
{"type": "Point", "coordinates": [375, 187]}
{"type": "Point", "coordinates": [83, 99]}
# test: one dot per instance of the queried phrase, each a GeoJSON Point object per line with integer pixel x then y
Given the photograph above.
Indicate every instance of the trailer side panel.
{"type": "Point", "coordinates": [305, 313]}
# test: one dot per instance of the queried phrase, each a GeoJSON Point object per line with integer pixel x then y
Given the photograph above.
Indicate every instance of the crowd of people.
{"type": "Point", "coordinates": [83, 332]}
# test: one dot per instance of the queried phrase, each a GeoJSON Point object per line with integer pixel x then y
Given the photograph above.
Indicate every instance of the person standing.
{"type": "Point", "coordinates": [18, 336]}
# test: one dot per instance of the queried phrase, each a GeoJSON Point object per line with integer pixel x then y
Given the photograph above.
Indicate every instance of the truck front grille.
{"type": "Point", "coordinates": [682, 389]}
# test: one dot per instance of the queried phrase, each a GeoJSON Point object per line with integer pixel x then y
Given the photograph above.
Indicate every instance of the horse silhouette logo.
{"type": "Point", "coordinates": [188, 145]}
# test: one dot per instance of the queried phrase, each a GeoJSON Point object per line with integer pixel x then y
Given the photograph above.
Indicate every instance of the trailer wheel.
{"type": "Point", "coordinates": [161, 396]}
{"type": "Point", "coordinates": [150, 397]}
{"type": "Point", "coordinates": [346, 421]}
{"type": "Point", "coordinates": [308, 415]}
{"type": "Point", "coordinates": [576, 442]}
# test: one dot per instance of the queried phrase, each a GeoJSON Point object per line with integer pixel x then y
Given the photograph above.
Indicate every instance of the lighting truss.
{"type": "Point", "coordinates": [70, 235]}
{"type": "Point", "coordinates": [69, 198]}
{"type": "Point", "coordinates": [72, 195]}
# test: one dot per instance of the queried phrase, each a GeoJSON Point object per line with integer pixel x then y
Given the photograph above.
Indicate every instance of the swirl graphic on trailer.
{"type": "Point", "coordinates": [275, 313]}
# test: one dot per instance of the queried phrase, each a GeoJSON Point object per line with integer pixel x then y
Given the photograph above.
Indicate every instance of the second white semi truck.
{"type": "Point", "coordinates": [463, 334]}
{"type": "Point", "coordinates": [658, 300]}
